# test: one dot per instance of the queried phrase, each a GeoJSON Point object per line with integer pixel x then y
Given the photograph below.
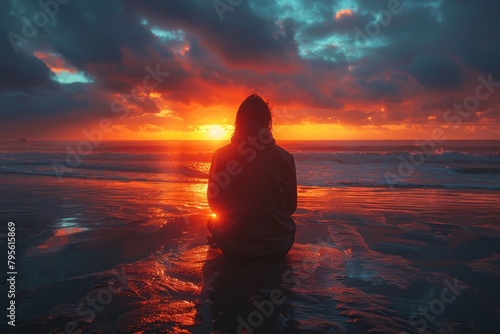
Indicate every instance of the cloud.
{"type": "Point", "coordinates": [21, 105]}
{"type": "Point", "coordinates": [21, 72]}
{"type": "Point", "coordinates": [307, 57]}
{"type": "Point", "coordinates": [380, 89]}
{"type": "Point", "coordinates": [435, 72]}
{"type": "Point", "coordinates": [251, 40]}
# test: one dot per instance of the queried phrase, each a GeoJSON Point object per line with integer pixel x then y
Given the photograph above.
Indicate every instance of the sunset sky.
{"type": "Point", "coordinates": [342, 69]}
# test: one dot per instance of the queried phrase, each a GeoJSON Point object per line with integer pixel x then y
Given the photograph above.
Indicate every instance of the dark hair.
{"type": "Point", "coordinates": [253, 114]}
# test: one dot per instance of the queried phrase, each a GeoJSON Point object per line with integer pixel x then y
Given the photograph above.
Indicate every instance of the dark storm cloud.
{"type": "Point", "coordinates": [22, 71]}
{"type": "Point", "coordinates": [435, 72]}
{"type": "Point", "coordinates": [40, 103]}
{"type": "Point", "coordinates": [243, 36]}
{"type": "Point", "coordinates": [331, 58]}
{"type": "Point", "coordinates": [89, 31]}
{"type": "Point", "coordinates": [380, 89]}
{"type": "Point", "coordinates": [299, 53]}
{"type": "Point", "coordinates": [436, 44]}
{"type": "Point", "coordinates": [440, 103]}
{"type": "Point", "coordinates": [130, 71]}
{"type": "Point", "coordinates": [473, 32]}
{"type": "Point", "coordinates": [26, 85]}
{"type": "Point", "coordinates": [413, 43]}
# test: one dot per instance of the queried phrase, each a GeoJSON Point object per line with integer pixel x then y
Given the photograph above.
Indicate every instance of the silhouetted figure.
{"type": "Point", "coordinates": [252, 189]}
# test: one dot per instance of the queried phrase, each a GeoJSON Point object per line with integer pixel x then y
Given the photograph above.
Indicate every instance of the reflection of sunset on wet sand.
{"type": "Point", "coordinates": [365, 255]}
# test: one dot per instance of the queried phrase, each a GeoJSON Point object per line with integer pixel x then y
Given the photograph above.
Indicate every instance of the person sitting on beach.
{"type": "Point", "coordinates": [252, 189]}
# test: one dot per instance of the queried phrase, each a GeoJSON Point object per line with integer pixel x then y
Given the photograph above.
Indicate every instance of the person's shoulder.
{"type": "Point", "coordinates": [284, 152]}
{"type": "Point", "coordinates": [226, 148]}
{"type": "Point", "coordinates": [224, 151]}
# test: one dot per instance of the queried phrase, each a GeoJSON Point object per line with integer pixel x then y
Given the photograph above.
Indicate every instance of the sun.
{"type": "Point", "coordinates": [217, 131]}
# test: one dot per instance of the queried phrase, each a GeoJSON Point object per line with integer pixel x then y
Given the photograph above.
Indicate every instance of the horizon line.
{"type": "Point", "coordinates": [225, 140]}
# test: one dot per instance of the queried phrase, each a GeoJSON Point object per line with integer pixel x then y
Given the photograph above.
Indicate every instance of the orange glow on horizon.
{"type": "Point", "coordinates": [215, 131]}
{"type": "Point", "coordinates": [214, 123]}
{"type": "Point", "coordinates": [312, 131]}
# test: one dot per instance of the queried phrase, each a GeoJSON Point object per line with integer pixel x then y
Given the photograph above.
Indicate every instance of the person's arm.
{"type": "Point", "coordinates": [291, 196]}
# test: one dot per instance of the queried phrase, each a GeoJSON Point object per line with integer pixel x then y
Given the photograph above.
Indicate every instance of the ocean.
{"type": "Point", "coordinates": [392, 237]}
{"type": "Point", "coordinates": [454, 165]}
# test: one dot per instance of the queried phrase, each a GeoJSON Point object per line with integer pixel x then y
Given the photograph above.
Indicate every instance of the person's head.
{"type": "Point", "coordinates": [253, 113]}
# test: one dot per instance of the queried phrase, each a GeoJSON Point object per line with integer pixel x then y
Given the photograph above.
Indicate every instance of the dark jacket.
{"type": "Point", "coordinates": [252, 189]}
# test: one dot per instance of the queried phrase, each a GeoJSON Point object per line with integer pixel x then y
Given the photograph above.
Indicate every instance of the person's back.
{"type": "Point", "coordinates": [253, 189]}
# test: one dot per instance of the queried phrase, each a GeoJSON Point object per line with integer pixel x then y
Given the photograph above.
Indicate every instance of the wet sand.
{"type": "Point", "coordinates": [131, 257]}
